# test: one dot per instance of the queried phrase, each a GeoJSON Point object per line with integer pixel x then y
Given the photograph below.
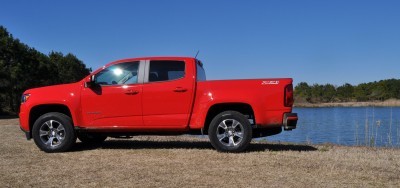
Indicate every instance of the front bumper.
{"type": "Point", "coordinates": [24, 124]}
{"type": "Point", "coordinates": [289, 121]}
{"type": "Point", "coordinates": [27, 133]}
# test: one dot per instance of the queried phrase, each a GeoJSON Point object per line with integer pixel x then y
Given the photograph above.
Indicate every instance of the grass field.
{"type": "Point", "coordinates": [181, 161]}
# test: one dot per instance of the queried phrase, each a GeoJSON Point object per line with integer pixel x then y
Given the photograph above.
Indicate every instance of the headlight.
{"type": "Point", "coordinates": [25, 97]}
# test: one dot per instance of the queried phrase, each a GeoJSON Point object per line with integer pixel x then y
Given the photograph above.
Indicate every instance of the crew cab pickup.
{"type": "Point", "coordinates": [157, 96]}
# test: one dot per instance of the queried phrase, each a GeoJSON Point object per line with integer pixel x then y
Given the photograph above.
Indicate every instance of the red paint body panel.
{"type": "Point", "coordinates": [157, 106]}
{"type": "Point", "coordinates": [112, 106]}
{"type": "Point", "coordinates": [266, 100]}
{"type": "Point", "coordinates": [66, 94]}
{"type": "Point", "coordinates": [164, 105]}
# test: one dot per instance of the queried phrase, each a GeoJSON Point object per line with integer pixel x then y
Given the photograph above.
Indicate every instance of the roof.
{"type": "Point", "coordinates": [150, 58]}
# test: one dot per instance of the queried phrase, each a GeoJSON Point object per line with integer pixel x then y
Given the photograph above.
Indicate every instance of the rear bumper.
{"type": "Point", "coordinates": [289, 121]}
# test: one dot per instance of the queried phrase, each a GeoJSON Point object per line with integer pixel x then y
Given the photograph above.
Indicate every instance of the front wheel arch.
{"type": "Point", "coordinates": [39, 110]}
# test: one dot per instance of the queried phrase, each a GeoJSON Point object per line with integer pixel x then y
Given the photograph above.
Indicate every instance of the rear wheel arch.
{"type": "Point", "coordinates": [214, 110]}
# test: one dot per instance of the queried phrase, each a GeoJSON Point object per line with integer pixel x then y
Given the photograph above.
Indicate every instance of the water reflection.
{"type": "Point", "coordinates": [372, 126]}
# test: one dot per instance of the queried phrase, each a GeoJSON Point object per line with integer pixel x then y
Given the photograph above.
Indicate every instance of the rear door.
{"type": "Point", "coordinates": [167, 94]}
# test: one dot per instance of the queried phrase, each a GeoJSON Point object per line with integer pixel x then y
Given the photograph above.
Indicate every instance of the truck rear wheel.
{"type": "Point", "coordinates": [230, 131]}
{"type": "Point", "coordinates": [54, 132]}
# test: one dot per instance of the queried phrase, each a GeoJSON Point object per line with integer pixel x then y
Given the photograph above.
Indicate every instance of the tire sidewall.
{"type": "Point", "coordinates": [247, 136]}
{"type": "Point", "coordinates": [70, 135]}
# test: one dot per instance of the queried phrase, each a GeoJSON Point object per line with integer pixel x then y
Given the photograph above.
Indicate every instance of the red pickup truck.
{"type": "Point", "coordinates": [157, 95]}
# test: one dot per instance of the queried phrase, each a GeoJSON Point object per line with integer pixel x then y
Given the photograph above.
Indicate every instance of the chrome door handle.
{"type": "Point", "coordinates": [131, 92]}
{"type": "Point", "coordinates": [180, 89]}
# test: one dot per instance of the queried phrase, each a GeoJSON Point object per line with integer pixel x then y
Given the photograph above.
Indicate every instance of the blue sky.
{"type": "Point", "coordinates": [313, 41]}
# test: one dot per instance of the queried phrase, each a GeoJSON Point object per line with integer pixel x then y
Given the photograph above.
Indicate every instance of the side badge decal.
{"type": "Point", "coordinates": [272, 82]}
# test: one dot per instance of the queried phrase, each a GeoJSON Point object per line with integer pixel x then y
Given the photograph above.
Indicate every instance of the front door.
{"type": "Point", "coordinates": [115, 100]}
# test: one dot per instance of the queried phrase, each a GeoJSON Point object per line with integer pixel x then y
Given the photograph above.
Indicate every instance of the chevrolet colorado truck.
{"type": "Point", "coordinates": [156, 96]}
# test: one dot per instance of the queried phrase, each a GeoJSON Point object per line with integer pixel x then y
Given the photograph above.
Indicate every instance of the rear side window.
{"type": "Point", "coordinates": [166, 70]}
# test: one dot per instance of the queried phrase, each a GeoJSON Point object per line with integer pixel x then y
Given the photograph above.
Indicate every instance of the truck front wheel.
{"type": "Point", "coordinates": [54, 132]}
{"type": "Point", "coordinates": [230, 131]}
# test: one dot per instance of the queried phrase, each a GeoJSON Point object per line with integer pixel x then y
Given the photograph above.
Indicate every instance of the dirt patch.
{"type": "Point", "coordinates": [183, 161]}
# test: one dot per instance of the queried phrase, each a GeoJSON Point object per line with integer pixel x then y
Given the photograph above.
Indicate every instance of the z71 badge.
{"type": "Point", "coordinates": [272, 82]}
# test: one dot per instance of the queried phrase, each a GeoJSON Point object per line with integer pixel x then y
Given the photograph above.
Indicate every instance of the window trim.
{"type": "Point", "coordinates": [141, 69]}
{"type": "Point", "coordinates": [147, 72]}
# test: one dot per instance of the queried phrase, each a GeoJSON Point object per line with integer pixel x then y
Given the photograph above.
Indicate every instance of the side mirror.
{"type": "Point", "coordinates": [90, 82]}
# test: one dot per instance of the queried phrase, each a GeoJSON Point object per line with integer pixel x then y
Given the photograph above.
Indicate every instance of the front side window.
{"type": "Point", "coordinates": [166, 70]}
{"type": "Point", "coordinates": [119, 74]}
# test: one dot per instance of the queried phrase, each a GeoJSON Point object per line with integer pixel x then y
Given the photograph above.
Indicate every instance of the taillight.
{"type": "Point", "coordinates": [289, 95]}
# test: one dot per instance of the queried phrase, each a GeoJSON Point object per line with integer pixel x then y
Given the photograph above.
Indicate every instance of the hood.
{"type": "Point", "coordinates": [57, 94]}
{"type": "Point", "coordinates": [52, 89]}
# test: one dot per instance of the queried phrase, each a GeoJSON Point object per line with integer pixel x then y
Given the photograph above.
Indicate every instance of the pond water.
{"type": "Point", "coordinates": [370, 126]}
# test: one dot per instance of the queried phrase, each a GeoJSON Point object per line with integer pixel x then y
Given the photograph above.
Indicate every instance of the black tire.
{"type": "Point", "coordinates": [54, 132]}
{"type": "Point", "coordinates": [88, 138]}
{"type": "Point", "coordinates": [238, 129]}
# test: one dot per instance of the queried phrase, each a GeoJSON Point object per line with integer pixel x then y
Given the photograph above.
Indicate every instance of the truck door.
{"type": "Point", "coordinates": [167, 93]}
{"type": "Point", "coordinates": [115, 100]}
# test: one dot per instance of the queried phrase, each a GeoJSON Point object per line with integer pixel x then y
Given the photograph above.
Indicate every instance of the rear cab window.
{"type": "Point", "coordinates": [166, 70]}
{"type": "Point", "coordinates": [201, 74]}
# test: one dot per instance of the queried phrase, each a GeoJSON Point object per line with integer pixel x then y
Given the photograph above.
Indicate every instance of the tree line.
{"type": "Point", "coordinates": [371, 91]}
{"type": "Point", "coordinates": [23, 67]}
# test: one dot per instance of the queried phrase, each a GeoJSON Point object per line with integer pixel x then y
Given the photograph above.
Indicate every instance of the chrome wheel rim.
{"type": "Point", "coordinates": [230, 132]}
{"type": "Point", "coordinates": [52, 133]}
